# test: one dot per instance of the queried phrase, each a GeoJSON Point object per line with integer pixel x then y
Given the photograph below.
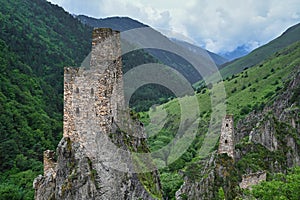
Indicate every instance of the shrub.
{"type": "Point", "coordinates": [245, 110]}
{"type": "Point", "coordinates": [269, 94]}
{"type": "Point", "coordinates": [233, 90]}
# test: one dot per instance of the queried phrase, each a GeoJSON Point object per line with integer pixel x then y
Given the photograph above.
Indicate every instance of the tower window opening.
{"type": "Point", "coordinates": [226, 125]}
{"type": "Point", "coordinates": [77, 90]}
{"type": "Point", "coordinates": [226, 141]}
{"type": "Point", "coordinates": [77, 110]}
{"type": "Point", "coordinates": [92, 91]}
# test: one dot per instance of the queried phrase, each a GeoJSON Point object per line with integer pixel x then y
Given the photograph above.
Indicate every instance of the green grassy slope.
{"type": "Point", "coordinates": [288, 37]}
{"type": "Point", "coordinates": [249, 90]}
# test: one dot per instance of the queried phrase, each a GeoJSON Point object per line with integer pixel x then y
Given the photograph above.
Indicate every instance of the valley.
{"type": "Point", "coordinates": [262, 92]}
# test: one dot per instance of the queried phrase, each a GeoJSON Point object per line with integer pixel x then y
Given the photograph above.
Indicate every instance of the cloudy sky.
{"type": "Point", "coordinates": [217, 25]}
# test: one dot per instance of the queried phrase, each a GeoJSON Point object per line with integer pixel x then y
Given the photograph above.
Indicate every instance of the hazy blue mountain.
{"type": "Point", "coordinates": [219, 60]}
{"type": "Point", "coordinates": [240, 51]}
{"type": "Point", "coordinates": [290, 36]}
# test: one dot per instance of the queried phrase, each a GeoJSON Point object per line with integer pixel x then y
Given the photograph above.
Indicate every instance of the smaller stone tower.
{"type": "Point", "coordinates": [226, 144]}
{"type": "Point", "coordinates": [49, 163]}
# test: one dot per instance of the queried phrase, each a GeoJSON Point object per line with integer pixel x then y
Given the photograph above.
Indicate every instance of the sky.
{"type": "Point", "coordinates": [216, 25]}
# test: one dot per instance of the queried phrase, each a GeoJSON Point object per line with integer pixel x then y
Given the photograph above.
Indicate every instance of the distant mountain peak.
{"type": "Point", "coordinates": [238, 52]}
{"type": "Point", "coordinates": [219, 60]}
{"type": "Point", "coordinates": [290, 36]}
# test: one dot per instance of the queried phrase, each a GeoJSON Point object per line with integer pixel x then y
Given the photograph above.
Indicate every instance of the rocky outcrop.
{"type": "Point", "coordinates": [78, 177]}
{"type": "Point", "coordinates": [94, 158]}
{"type": "Point", "coordinates": [213, 174]}
{"type": "Point", "coordinates": [200, 187]}
{"type": "Point", "coordinates": [276, 127]}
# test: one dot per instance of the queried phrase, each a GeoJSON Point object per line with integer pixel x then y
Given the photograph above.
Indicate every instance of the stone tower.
{"type": "Point", "coordinates": [93, 95]}
{"type": "Point", "coordinates": [226, 144]}
{"type": "Point", "coordinates": [96, 139]}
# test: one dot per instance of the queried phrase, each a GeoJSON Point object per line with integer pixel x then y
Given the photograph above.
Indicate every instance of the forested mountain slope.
{"type": "Point", "coordinates": [37, 40]}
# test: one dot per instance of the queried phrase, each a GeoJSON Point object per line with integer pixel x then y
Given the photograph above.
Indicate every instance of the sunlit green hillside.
{"type": "Point", "coordinates": [249, 90]}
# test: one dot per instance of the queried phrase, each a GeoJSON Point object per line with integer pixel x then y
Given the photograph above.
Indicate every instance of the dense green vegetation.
{"type": "Point", "coordinates": [26, 129]}
{"type": "Point", "coordinates": [36, 40]}
{"type": "Point", "coordinates": [281, 186]}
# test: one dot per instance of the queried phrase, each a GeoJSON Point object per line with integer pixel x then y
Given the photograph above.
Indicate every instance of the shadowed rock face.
{"type": "Point", "coordinates": [94, 114]}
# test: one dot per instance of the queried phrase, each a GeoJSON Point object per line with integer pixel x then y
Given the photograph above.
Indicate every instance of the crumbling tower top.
{"type": "Point", "coordinates": [100, 34]}
{"type": "Point", "coordinates": [106, 48]}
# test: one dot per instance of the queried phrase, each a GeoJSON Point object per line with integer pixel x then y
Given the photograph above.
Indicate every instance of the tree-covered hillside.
{"type": "Point", "coordinates": [37, 40]}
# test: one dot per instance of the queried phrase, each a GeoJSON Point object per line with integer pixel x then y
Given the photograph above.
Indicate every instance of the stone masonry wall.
{"type": "Point", "coordinates": [94, 95]}
{"type": "Point", "coordinates": [226, 144]}
{"type": "Point", "coordinates": [252, 179]}
{"type": "Point", "coordinates": [69, 123]}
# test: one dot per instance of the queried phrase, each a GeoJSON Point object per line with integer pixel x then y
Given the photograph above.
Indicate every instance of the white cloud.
{"type": "Point", "coordinates": [218, 25]}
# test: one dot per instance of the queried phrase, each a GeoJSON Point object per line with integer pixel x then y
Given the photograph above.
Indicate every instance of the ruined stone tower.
{"type": "Point", "coordinates": [93, 146]}
{"type": "Point", "coordinates": [226, 144]}
{"type": "Point", "coordinates": [93, 95]}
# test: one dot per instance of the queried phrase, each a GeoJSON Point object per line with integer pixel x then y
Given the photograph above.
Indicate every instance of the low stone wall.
{"type": "Point", "coordinates": [252, 179]}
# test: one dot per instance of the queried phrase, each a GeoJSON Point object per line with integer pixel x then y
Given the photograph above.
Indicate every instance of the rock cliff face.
{"type": "Point", "coordinates": [200, 188]}
{"type": "Point", "coordinates": [93, 158]}
{"type": "Point", "coordinates": [270, 136]}
{"type": "Point", "coordinates": [277, 126]}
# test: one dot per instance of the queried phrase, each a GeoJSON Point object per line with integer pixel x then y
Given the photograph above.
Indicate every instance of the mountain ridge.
{"type": "Point", "coordinates": [288, 37]}
{"type": "Point", "coordinates": [126, 23]}
{"type": "Point", "coordinates": [219, 60]}
{"type": "Point", "coordinates": [115, 23]}
{"type": "Point", "coordinates": [238, 52]}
